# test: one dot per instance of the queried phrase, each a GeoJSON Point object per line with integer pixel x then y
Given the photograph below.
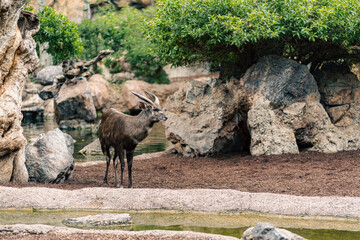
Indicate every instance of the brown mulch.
{"type": "Point", "coordinates": [305, 174]}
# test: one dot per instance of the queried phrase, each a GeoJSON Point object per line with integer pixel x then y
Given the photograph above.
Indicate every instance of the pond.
{"type": "Point", "coordinates": [230, 224]}
{"type": "Point", "coordinates": [155, 142]}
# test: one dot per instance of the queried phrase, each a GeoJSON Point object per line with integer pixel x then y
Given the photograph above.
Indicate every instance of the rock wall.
{"type": "Point", "coordinates": [277, 107]}
{"type": "Point", "coordinates": [77, 10]}
{"type": "Point", "coordinates": [17, 58]}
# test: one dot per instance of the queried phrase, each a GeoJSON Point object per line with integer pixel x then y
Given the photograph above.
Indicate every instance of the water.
{"type": "Point", "coordinates": [230, 224]}
{"type": "Point", "coordinates": [155, 142]}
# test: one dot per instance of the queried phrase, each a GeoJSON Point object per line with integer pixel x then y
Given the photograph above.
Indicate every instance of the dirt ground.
{"type": "Point", "coordinates": [305, 174]}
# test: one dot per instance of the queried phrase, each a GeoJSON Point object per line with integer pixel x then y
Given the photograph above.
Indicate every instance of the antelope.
{"type": "Point", "coordinates": [124, 132]}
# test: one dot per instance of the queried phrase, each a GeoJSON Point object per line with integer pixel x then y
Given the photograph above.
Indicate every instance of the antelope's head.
{"type": "Point", "coordinates": [152, 108]}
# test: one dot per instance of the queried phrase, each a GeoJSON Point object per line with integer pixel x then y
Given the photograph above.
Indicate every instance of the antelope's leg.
{"type": "Point", "coordinates": [122, 166]}
{"type": "Point", "coordinates": [108, 158]}
{"type": "Point", "coordinates": [115, 162]}
{"type": "Point", "coordinates": [129, 158]}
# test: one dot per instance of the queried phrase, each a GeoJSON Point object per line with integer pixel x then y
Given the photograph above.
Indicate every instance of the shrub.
{"type": "Point", "coordinates": [60, 33]}
{"type": "Point", "coordinates": [241, 31]}
{"type": "Point", "coordinates": [122, 32]}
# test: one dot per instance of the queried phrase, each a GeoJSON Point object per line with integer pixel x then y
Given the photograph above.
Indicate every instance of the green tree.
{"type": "Point", "coordinates": [233, 34]}
{"type": "Point", "coordinates": [60, 33]}
{"type": "Point", "coordinates": [122, 32]}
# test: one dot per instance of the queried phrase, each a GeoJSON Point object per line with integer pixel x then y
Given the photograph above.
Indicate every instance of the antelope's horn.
{"type": "Point", "coordinates": [156, 99]}
{"type": "Point", "coordinates": [145, 99]}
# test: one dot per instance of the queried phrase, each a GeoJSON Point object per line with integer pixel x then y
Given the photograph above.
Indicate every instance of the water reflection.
{"type": "Point", "coordinates": [155, 142]}
{"type": "Point", "coordinates": [230, 224]}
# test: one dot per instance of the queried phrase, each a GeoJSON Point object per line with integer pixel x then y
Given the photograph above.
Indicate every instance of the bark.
{"type": "Point", "coordinates": [17, 59]}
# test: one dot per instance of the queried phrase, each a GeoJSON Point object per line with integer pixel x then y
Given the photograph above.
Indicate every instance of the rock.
{"type": "Point", "coordinates": [162, 91]}
{"type": "Point", "coordinates": [268, 134]}
{"type": "Point", "coordinates": [49, 159]}
{"type": "Point", "coordinates": [340, 93]}
{"type": "Point", "coordinates": [187, 72]}
{"type": "Point", "coordinates": [76, 124]}
{"type": "Point", "coordinates": [33, 104]}
{"type": "Point", "coordinates": [122, 77]}
{"type": "Point", "coordinates": [94, 148]}
{"type": "Point", "coordinates": [47, 75]}
{"type": "Point", "coordinates": [274, 87]}
{"type": "Point", "coordinates": [267, 231]}
{"type": "Point", "coordinates": [274, 109]}
{"type": "Point", "coordinates": [49, 109]}
{"type": "Point", "coordinates": [17, 58]}
{"type": "Point", "coordinates": [100, 91]}
{"type": "Point", "coordinates": [30, 89]}
{"type": "Point", "coordinates": [48, 92]}
{"type": "Point", "coordinates": [75, 10]}
{"type": "Point", "coordinates": [281, 81]}
{"type": "Point", "coordinates": [204, 118]}
{"type": "Point", "coordinates": [33, 107]}
{"type": "Point", "coordinates": [293, 108]}
{"type": "Point", "coordinates": [100, 220]}
{"type": "Point", "coordinates": [74, 101]}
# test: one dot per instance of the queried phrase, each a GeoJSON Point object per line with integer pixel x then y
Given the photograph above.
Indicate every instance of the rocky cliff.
{"type": "Point", "coordinates": [17, 58]}
{"type": "Point", "coordinates": [77, 10]}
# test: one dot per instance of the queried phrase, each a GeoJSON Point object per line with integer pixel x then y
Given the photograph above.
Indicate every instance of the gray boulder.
{"type": "Point", "coordinates": [268, 134]}
{"type": "Point", "coordinates": [205, 118]}
{"type": "Point", "coordinates": [277, 89]}
{"type": "Point", "coordinates": [281, 81]}
{"type": "Point", "coordinates": [267, 231]}
{"type": "Point", "coordinates": [49, 159]}
{"type": "Point", "coordinates": [47, 75]}
{"type": "Point", "coordinates": [275, 108]}
{"type": "Point", "coordinates": [340, 94]}
{"type": "Point", "coordinates": [48, 92]}
{"type": "Point", "coordinates": [294, 98]}
{"type": "Point", "coordinates": [74, 101]}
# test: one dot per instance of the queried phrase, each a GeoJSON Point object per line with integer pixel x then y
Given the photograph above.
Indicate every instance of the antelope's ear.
{"type": "Point", "coordinates": [142, 105]}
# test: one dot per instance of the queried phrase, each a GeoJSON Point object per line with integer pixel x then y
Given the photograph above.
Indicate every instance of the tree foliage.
{"type": "Point", "coordinates": [122, 32]}
{"type": "Point", "coordinates": [60, 33]}
{"type": "Point", "coordinates": [241, 31]}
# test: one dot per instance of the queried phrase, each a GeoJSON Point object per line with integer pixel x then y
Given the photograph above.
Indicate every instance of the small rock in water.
{"type": "Point", "coordinates": [100, 220]}
{"type": "Point", "coordinates": [267, 231]}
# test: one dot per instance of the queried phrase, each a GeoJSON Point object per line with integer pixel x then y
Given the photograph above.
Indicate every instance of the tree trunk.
{"type": "Point", "coordinates": [17, 59]}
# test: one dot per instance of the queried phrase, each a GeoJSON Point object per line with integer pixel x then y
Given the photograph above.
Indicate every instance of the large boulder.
{"type": "Point", "coordinates": [33, 106]}
{"type": "Point", "coordinates": [49, 159]}
{"type": "Point", "coordinates": [275, 108]}
{"type": "Point", "coordinates": [268, 134]}
{"type": "Point", "coordinates": [267, 231]}
{"type": "Point", "coordinates": [340, 94]}
{"type": "Point", "coordinates": [30, 89]}
{"type": "Point", "coordinates": [17, 58]}
{"type": "Point", "coordinates": [294, 99]}
{"type": "Point", "coordinates": [272, 86]}
{"type": "Point", "coordinates": [47, 75]}
{"type": "Point", "coordinates": [204, 118]}
{"type": "Point", "coordinates": [100, 91]}
{"type": "Point", "coordinates": [74, 101]}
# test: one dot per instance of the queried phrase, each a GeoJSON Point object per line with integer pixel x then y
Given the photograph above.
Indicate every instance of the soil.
{"type": "Point", "coordinates": [305, 174]}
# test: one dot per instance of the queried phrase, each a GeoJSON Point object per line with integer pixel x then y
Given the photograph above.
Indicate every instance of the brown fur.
{"type": "Point", "coordinates": [123, 133]}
